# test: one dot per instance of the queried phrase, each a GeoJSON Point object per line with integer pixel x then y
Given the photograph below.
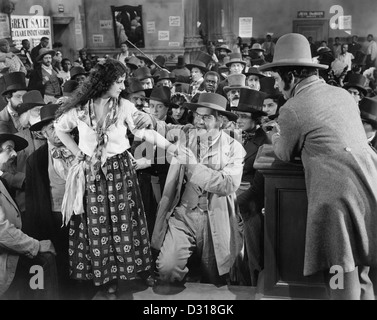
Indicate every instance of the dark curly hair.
{"type": "Point", "coordinates": [101, 78]}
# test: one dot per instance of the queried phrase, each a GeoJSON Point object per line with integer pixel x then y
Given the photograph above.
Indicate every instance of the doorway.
{"type": "Point", "coordinates": [317, 29]}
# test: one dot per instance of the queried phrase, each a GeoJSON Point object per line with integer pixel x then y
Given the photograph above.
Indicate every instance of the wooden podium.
{"type": "Point", "coordinates": [285, 227]}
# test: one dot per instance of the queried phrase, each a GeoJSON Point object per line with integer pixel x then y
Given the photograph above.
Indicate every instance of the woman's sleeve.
{"type": "Point", "coordinates": [67, 122]}
{"type": "Point", "coordinates": [126, 115]}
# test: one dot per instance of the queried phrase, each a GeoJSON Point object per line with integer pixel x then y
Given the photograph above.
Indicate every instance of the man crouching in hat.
{"type": "Point", "coordinates": [197, 210]}
{"type": "Point", "coordinates": [322, 124]}
{"type": "Point", "coordinates": [19, 251]}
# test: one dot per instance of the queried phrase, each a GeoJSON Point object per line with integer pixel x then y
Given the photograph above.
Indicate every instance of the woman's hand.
{"type": "Point", "coordinates": [142, 163]}
{"type": "Point", "coordinates": [80, 156]}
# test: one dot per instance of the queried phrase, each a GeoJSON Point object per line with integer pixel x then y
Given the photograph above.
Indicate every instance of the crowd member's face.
{"type": "Point", "coordinates": [196, 74]}
{"type": "Point", "coordinates": [236, 68]}
{"type": "Point", "coordinates": [234, 97]}
{"type": "Point", "coordinates": [26, 45]}
{"type": "Point", "coordinates": [165, 83]}
{"type": "Point", "coordinates": [244, 121]}
{"type": "Point", "coordinates": [142, 63]}
{"type": "Point", "coordinates": [205, 121]}
{"type": "Point", "coordinates": [147, 83]}
{"type": "Point", "coordinates": [124, 48]}
{"type": "Point", "coordinates": [8, 157]}
{"type": "Point", "coordinates": [177, 113]}
{"type": "Point", "coordinates": [66, 65]}
{"type": "Point", "coordinates": [44, 43]}
{"type": "Point", "coordinates": [211, 83]}
{"type": "Point", "coordinates": [355, 94]}
{"type": "Point", "coordinates": [31, 117]}
{"type": "Point", "coordinates": [47, 60]}
{"type": "Point", "coordinates": [354, 39]}
{"type": "Point", "coordinates": [138, 99]}
{"type": "Point", "coordinates": [158, 109]}
{"type": "Point", "coordinates": [253, 82]}
{"type": "Point", "coordinates": [16, 99]}
{"type": "Point", "coordinates": [270, 106]}
{"type": "Point", "coordinates": [116, 88]}
{"type": "Point", "coordinates": [370, 38]}
{"type": "Point", "coordinates": [281, 85]}
{"type": "Point", "coordinates": [344, 48]}
{"type": "Point", "coordinates": [5, 47]}
{"type": "Point", "coordinates": [50, 134]}
{"type": "Point", "coordinates": [80, 78]}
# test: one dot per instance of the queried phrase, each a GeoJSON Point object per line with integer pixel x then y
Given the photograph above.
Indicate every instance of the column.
{"type": "Point", "coordinates": [214, 18]}
{"type": "Point", "coordinates": [228, 33]}
{"type": "Point", "coordinates": [193, 41]}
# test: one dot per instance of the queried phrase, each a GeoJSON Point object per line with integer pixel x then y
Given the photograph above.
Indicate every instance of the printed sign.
{"type": "Point", "coordinates": [4, 26]}
{"type": "Point", "coordinates": [345, 23]}
{"type": "Point", "coordinates": [106, 24]}
{"type": "Point", "coordinates": [163, 35]}
{"type": "Point", "coordinates": [174, 21]}
{"type": "Point", "coordinates": [32, 28]}
{"type": "Point", "coordinates": [151, 27]}
{"type": "Point", "coordinates": [174, 44]}
{"type": "Point", "coordinates": [246, 27]}
{"type": "Point", "coordinates": [311, 14]}
{"type": "Point", "coordinates": [97, 38]}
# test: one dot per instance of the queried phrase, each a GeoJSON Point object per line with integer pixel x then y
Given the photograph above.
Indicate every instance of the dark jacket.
{"type": "Point", "coordinates": [36, 80]}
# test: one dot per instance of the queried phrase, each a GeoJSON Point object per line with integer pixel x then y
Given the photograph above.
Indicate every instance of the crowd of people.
{"type": "Point", "coordinates": [120, 168]}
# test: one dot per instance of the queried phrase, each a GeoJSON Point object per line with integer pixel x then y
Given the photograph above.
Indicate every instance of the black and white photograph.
{"type": "Point", "coordinates": [188, 155]}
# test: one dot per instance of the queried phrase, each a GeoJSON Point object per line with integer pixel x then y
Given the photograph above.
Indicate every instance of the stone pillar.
{"type": "Point", "coordinates": [228, 32]}
{"type": "Point", "coordinates": [193, 41]}
{"type": "Point", "coordinates": [214, 20]}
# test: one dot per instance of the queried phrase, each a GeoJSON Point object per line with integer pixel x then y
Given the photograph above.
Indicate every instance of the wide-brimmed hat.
{"type": "Point", "coordinates": [257, 47]}
{"type": "Point", "coordinates": [224, 47]}
{"type": "Point", "coordinates": [77, 71]}
{"type": "Point", "coordinates": [182, 87]}
{"type": "Point", "coordinates": [267, 85]}
{"type": "Point", "coordinates": [142, 73]}
{"type": "Point", "coordinates": [69, 87]}
{"type": "Point", "coordinates": [357, 81]}
{"type": "Point", "coordinates": [254, 71]}
{"type": "Point", "coordinates": [235, 81]}
{"type": "Point", "coordinates": [161, 61]}
{"type": "Point", "coordinates": [181, 62]}
{"type": "Point", "coordinates": [368, 110]}
{"type": "Point", "coordinates": [5, 135]}
{"type": "Point", "coordinates": [31, 100]}
{"type": "Point", "coordinates": [213, 101]}
{"type": "Point", "coordinates": [161, 94]}
{"type": "Point", "coordinates": [14, 81]}
{"type": "Point", "coordinates": [201, 62]}
{"type": "Point", "coordinates": [235, 58]}
{"type": "Point", "coordinates": [133, 62]}
{"type": "Point", "coordinates": [164, 75]}
{"type": "Point", "coordinates": [146, 59]}
{"type": "Point", "coordinates": [292, 49]}
{"type": "Point", "coordinates": [251, 101]}
{"type": "Point", "coordinates": [47, 115]}
{"type": "Point", "coordinates": [43, 52]}
{"type": "Point", "coordinates": [135, 85]}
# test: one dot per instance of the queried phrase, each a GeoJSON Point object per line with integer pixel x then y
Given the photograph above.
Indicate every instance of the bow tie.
{"type": "Point", "coordinates": [62, 153]}
{"type": "Point", "coordinates": [247, 136]}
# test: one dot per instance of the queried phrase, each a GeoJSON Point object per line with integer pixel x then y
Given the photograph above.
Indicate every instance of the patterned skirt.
{"type": "Point", "coordinates": [110, 240]}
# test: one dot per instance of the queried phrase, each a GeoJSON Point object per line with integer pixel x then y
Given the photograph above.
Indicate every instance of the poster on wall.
{"type": "Point", "coordinates": [246, 27]}
{"type": "Point", "coordinates": [106, 24]}
{"type": "Point", "coordinates": [151, 27]}
{"type": "Point", "coordinates": [164, 35]}
{"type": "Point", "coordinates": [32, 28]}
{"type": "Point", "coordinates": [174, 21]}
{"type": "Point", "coordinates": [345, 23]}
{"type": "Point", "coordinates": [97, 38]}
{"type": "Point", "coordinates": [4, 26]}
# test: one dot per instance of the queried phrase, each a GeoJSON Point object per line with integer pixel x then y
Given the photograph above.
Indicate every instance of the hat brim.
{"type": "Point", "coordinates": [194, 106]}
{"type": "Point", "coordinates": [255, 74]}
{"type": "Point", "coordinates": [14, 90]}
{"type": "Point", "coordinates": [39, 125]}
{"type": "Point", "coordinates": [361, 88]}
{"type": "Point", "coordinates": [226, 49]}
{"type": "Point", "coordinates": [228, 88]}
{"type": "Point", "coordinates": [166, 103]}
{"type": "Point", "coordinates": [19, 143]}
{"type": "Point", "coordinates": [51, 52]}
{"type": "Point", "coordinates": [24, 107]}
{"type": "Point", "coordinates": [228, 64]}
{"type": "Point", "coordinates": [249, 109]}
{"type": "Point", "coordinates": [190, 66]}
{"type": "Point", "coordinates": [272, 65]}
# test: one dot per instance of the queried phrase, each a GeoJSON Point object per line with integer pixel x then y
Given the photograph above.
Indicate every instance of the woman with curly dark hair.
{"type": "Point", "coordinates": [110, 240]}
{"type": "Point", "coordinates": [178, 112]}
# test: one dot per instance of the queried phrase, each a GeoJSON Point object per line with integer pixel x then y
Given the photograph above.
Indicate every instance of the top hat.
{"type": "Point", "coordinates": [257, 47]}
{"type": "Point", "coordinates": [267, 85]}
{"type": "Point", "coordinates": [292, 49]}
{"type": "Point", "coordinates": [181, 62]}
{"type": "Point", "coordinates": [164, 75]}
{"type": "Point", "coordinates": [142, 73]}
{"type": "Point", "coordinates": [357, 81]}
{"type": "Point", "coordinates": [235, 58]}
{"type": "Point", "coordinates": [201, 62]}
{"type": "Point", "coordinates": [251, 101]}
{"type": "Point", "coordinates": [14, 81]}
{"type": "Point", "coordinates": [224, 47]}
{"type": "Point", "coordinates": [160, 60]}
{"type": "Point", "coordinates": [236, 81]}
{"type": "Point", "coordinates": [161, 94]}
{"type": "Point", "coordinates": [254, 71]}
{"type": "Point", "coordinates": [77, 71]}
{"type": "Point", "coordinates": [133, 62]}
{"type": "Point", "coordinates": [182, 87]}
{"type": "Point", "coordinates": [135, 85]}
{"type": "Point", "coordinates": [213, 101]}
{"type": "Point", "coordinates": [31, 100]}
{"type": "Point", "coordinates": [43, 52]}
{"type": "Point", "coordinates": [5, 135]}
{"type": "Point", "coordinates": [69, 87]}
{"type": "Point", "coordinates": [47, 115]}
{"type": "Point", "coordinates": [368, 110]}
